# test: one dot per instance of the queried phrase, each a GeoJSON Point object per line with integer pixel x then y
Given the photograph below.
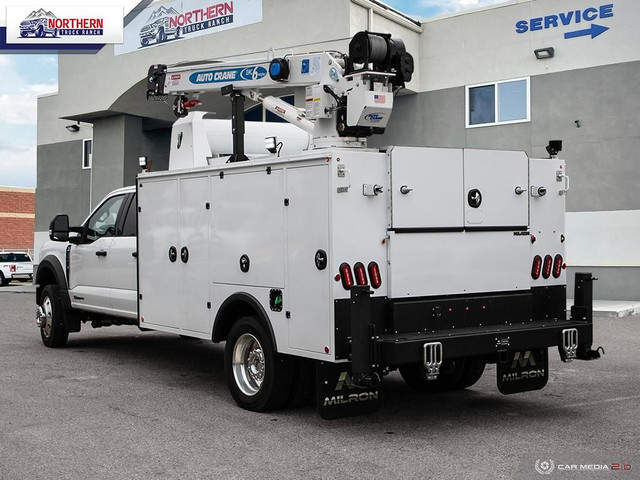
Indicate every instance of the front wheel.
{"type": "Point", "coordinates": [3, 281]}
{"type": "Point", "coordinates": [52, 329]}
{"type": "Point", "coordinates": [258, 377]}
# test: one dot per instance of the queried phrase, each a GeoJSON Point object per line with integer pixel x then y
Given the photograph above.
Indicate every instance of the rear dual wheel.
{"type": "Point", "coordinates": [455, 374]}
{"type": "Point", "coordinates": [259, 378]}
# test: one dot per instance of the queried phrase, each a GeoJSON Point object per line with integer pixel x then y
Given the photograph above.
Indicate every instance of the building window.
{"type": "Point", "coordinates": [498, 103]}
{"type": "Point", "coordinates": [87, 153]}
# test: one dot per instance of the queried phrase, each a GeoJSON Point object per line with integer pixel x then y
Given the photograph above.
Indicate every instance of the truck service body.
{"type": "Point", "coordinates": [334, 265]}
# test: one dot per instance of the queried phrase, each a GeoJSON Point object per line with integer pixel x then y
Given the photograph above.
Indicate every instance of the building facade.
{"type": "Point", "coordinates": [478, 83]}
{"type": "Point", "coordinates": [17, 218]}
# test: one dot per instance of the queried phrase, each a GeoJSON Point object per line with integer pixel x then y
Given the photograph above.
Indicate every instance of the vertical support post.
{"type": "Point", "coordinates": [582, 309]}
{"type": "Point", "coordinates": [362, 338]}
{"type": "Point", "coordinates": [237, 123]}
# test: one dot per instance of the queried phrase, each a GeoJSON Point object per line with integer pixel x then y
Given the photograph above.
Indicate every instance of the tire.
{"type": "Point", "coordinates": [160, 37]}
{"type": "Point", "coordinates": [4, 281]}
{"type": "Point", "coordinates": [303, 385]}
{"type": "Point", "coordinates": [144, 42]}
{"type": "Point", "coordinates": [177, 32]}
{"type": "Point", "coordinates": [473, 370]}
{"type": "Point", "coordinates": [40, 32]}
{"type": "Point", "coordinates": [451, 373]}
{"type": "Point", "coordinates": [24, 34]}
{"type": "Point", "coordinates": [53, 332]}
{"type": "Point", "coordinates": [258, 377]}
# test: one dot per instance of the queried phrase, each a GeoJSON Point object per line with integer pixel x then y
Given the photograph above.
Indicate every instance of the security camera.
{"type": "Point", "coordinates": [554, 147]}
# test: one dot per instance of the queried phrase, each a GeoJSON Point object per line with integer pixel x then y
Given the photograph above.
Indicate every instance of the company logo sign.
{"type": "Point", "coordinates": [64, 24]}
{"type": "Point", "coordinates": [182, 19]}
{"type": "Point", "coordinates": [228, 75]}
{"type": "Point", "coordinates": [544, 467]}
{"type": "Point", "coordinates": [374, 117]}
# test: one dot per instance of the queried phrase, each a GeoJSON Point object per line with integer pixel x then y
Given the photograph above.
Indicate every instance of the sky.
{"type": "Point", "coordinates": [24, 77]}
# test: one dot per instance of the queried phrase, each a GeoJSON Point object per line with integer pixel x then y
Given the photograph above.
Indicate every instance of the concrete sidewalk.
{"type": "Point", "coordinates": [611, 308]}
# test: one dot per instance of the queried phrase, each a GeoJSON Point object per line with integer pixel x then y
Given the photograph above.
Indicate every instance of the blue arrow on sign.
{"type": "Point", "coordinates": [594, 30]}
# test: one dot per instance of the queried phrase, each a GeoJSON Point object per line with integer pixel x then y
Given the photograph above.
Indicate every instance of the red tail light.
{"type": "Point", "coordinates": [536, 267]}
{"type": "Point", "coordinates": [557, 266]}
{"type": "Point", "coordinates": [546, 268]}
{"type": "Point", "coordinates": [361, 273]}
{"type": "Point", "coordinates": [346, 276]}
{"type": "Point", "coordinates": [12, 268]}
{"type": "Point", "coordinates": [374, 275]}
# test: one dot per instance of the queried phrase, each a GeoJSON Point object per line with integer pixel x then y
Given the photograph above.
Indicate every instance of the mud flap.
{"type": "Point", "coordinates": [522, 371]}
{"type": "Point", "coordinates": [338, 397]}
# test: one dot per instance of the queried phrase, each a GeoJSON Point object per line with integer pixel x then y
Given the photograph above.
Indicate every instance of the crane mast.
{"type": "Point", "coordinates": [347, 97]}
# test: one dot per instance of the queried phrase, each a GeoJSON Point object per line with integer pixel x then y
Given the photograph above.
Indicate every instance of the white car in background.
{"type": "Point", "coordinates": [15, 266]}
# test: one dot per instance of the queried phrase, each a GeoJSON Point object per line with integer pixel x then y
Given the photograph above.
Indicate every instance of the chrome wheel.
{"type": "Point", "coordinates": [47, 319]}
{"type": "Point", "coordinates": [248, 364]}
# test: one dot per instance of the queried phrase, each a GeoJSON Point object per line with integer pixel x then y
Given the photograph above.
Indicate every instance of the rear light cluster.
{"type": "Point", "coordinates": [547, 267]}
{"type": "Point", "coordinates": [359, 275]}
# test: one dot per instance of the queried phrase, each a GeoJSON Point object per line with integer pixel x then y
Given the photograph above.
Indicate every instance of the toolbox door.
{"type": "Point", "coordinates": [491, 182]}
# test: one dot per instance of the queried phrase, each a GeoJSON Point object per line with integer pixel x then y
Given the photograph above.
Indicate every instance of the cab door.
{"type": "Point", "coordinates": [89, 261]}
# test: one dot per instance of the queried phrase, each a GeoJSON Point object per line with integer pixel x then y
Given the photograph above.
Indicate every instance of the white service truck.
{"type": "Point", "coordinates": [328, 267]}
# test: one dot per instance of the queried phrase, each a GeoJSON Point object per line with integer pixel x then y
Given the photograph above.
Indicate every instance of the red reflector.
{"type": "Point", "coordinates": [12, 268]}
{"type": "Point", "coordinates": [546, 268]}
{"type": "Point", "coordinates": [374, 275]}
{"type": "Point", "coordinates": [557, 266]}
{"type": "Point", "coordinates": [347, 276]}
{"type": "Point", "coordinates": [361, 274]}
{"type": "Point", "coordinates": [537, 266]}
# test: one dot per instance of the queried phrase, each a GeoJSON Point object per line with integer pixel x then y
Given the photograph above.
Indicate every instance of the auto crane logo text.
{"type": "Point", "coordinates": [254, 72]}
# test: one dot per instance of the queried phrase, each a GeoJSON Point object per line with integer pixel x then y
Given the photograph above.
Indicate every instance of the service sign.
{"type": "Point", "coordinates": [63, 24]}
{"type": "Point", "coordinates": [177, 20]}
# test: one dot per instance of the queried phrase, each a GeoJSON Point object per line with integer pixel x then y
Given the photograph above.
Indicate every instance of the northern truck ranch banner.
{"type": "Point", "coordinates": [162, 23]}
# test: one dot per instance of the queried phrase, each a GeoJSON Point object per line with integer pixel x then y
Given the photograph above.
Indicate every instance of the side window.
{"type": "Point", "coordinates": [129, 228]}
{"type": "Point", "coordinates": [87, 153]}
{"type": "Point", "coordinates": [498, 103]}
{"type": "Point", "coordinates": [103, 222]}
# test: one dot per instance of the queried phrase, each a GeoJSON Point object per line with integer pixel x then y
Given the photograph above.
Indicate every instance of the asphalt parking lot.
{"type": "Point", "coordinates": [118, 403]}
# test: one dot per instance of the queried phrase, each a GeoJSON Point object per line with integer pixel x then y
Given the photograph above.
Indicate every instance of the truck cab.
{"type": "Point", "coordinates": [94, 265]}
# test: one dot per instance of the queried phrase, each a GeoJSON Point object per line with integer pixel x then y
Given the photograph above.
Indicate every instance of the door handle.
{"type": "Point", "coordinates": [101, 253]}
{"type": "Point", "coordinates": [134, 254]}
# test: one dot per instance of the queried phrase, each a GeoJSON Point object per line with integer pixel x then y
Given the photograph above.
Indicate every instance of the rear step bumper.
{"type": "Point", "coordinates": [400, 349]}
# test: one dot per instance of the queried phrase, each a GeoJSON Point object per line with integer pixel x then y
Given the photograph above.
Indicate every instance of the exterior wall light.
{"type": "Point", "coordinates": [74, 127]}
{"type": "Point", "coordinates": [542, 53]}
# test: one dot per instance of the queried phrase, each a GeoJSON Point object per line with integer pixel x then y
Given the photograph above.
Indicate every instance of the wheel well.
{"type": "Point", "coordinates": [235, 307]}
{"type": "Point", "coordinates": [44, 277]}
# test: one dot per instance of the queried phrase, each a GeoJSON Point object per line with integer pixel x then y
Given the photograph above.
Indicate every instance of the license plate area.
{"type": "Point", "coordinates": [522, 371]}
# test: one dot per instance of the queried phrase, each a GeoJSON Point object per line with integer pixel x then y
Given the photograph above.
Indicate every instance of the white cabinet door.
{"type": "Point", "coordinates": [308, 290]}
{"type": "Point", "coordinates": [426, 188]}
{"type": "Point", "coordinates": [158, 234]}
{"type": "Point", "coordinates": [490, 181]}
{"type": "Point", "coordinates": [193, 254]}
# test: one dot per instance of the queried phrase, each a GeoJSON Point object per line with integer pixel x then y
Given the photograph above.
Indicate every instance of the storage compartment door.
{"type": "Point", "coordinates": [308, 295]}
{"type": "Point", "coordinates": [159, 277]}
{"type": "Point", "coordinates": [194, 241]}
{"type": "Point", "coordinates": [490, 181]}
{"type": "Point", "coordinates": [426, 188]}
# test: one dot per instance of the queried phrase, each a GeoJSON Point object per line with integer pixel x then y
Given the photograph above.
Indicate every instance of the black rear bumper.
{"type": "Point", "coordinates": [401, 349]}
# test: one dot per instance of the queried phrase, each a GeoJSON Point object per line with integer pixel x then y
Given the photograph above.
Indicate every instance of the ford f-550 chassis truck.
{"type": "Point", "coordinates": [327, 268]}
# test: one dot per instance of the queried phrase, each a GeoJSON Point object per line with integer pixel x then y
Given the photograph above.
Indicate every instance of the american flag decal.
{"type": "Point", "coordinates": [379, 98]}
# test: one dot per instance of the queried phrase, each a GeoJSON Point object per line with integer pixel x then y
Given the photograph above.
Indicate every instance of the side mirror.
{"type": "Point", "coordinates": [59, 228]}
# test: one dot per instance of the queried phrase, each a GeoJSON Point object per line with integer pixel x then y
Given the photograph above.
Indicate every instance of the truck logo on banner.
{"type": "Point", "coordinates": [183, 19]}
{"type": "Point", "coordinates": [68, 25]}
